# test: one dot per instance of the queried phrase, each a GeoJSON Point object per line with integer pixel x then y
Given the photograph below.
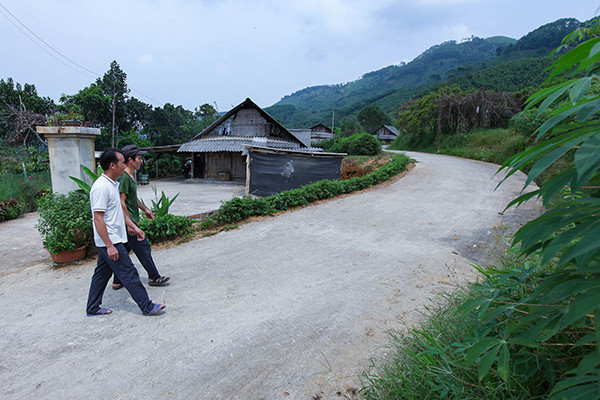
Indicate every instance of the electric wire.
{"type": "Point", "coordinates": [40, 46]}
{"type": "Point", "coordinates": [43, 41]}
{"type": "Point", "coordinates": [59, 53]}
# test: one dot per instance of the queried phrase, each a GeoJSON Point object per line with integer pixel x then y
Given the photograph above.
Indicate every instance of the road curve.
{"type": "Point", "coordinates": [283, 308]}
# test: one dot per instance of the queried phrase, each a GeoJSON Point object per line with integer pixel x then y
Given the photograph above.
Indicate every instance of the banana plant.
{"type": "Point", "coordinates": [84, 187]}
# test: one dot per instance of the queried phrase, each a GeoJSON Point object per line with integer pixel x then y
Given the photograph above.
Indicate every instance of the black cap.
{"type": "Point", "coordinates": [131, 150]}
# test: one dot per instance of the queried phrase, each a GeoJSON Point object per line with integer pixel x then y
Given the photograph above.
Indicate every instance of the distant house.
{"type": "Point", "coordinates": [219, 151]}
{"type": "Point", "coordinates": [387, 133]}
{"type": "Point", "coordinates": [320, 132]}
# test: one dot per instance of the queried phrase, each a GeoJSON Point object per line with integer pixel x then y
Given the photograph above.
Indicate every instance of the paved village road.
{"type": "Point", "coordinates": [282, 308]}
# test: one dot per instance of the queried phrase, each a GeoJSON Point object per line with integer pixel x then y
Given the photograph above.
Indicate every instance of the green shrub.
{"type": "Point", "coordinates": [10, 209]}
{"type": "Point", "coordinates": [528, 121]}
{"type": "Point", "coordinates": [65, 221]}
{"type": "Point", "coordinates": [166, 227]}
{"type": "Point", "coordinates": [238, 209]}
{"type": "Point", "coordinates": [359, 144]}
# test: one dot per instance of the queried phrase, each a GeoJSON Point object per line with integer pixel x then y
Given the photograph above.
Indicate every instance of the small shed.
{"type": "Point", "coordinates": [219, 151]}
{"type": "Point", "coordinates": [319, 133]}
{"type": "Point", "coordinates": [387, 133]}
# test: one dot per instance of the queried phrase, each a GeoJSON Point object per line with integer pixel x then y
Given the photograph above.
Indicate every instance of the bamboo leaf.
{"type": "Point", "coordinates": [579, 89]}
{"type": "Point", "coordinates": [588, 243]}
{"type": "Point", "coordinates": [589, 109]}
{"type": "Point", "coordinates": [485, 364]}
{"type": "Point", "coordinates": [503, 361]}
{"type": "Point", "coordinates": [572, 58]}
{"type": "Point", "coordinates": [480, 347]}
{"type": "Point", "coordinates": [584, 304]}
{"type": "Point", "coordinates": [588, 155]}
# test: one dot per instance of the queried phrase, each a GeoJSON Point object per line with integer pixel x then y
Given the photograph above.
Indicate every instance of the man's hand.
{"type": "Point", "coordinates": [148, 214]}
{"type": "Point", "coordinates": [113, 253]}
{"type": "Point", "coordinates": [137, 232]}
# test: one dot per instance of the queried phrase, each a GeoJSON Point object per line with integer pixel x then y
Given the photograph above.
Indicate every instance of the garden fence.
{"type": "Point", "coordinates": [23, 187]}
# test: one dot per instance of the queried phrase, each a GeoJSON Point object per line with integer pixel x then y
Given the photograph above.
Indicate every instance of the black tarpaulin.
{"type": "Point", "coordinates": [274, 173]}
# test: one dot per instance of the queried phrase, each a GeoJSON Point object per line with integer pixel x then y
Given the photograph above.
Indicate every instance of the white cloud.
{"type": "Point", "coordinates": [146, 59]}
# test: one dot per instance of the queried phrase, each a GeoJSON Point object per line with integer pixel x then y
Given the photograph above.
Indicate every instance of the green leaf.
{"type": "Point", "coordinates": [579, 89]}
{"type": "Point", "coordinates": [480, 347]}
{"type": "Point", "coordinates": [588, 363]}
{"type": "Point", "coordinates": [588, 155]}
{"type": "Point", "coordinates": [503, 362]}
{"type": "Point", "coordinates": [487, 360]}
{"type": "Point", "coordinates": [588, 243]}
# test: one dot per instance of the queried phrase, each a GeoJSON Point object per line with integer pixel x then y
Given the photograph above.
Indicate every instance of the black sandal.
{"type": "Point", "coordinates": [162, 281]}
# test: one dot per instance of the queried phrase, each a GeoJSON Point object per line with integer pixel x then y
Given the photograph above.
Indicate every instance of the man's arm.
{"type": "Point", "coordinates": [112, 251]}
{"type": "Point", "coordinates": [145, 210]}
{"type": "Point", "coordinates": [132, 228]}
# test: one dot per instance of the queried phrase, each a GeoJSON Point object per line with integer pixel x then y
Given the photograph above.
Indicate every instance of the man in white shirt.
{"type": "Point", "coordinates": [110, 235]}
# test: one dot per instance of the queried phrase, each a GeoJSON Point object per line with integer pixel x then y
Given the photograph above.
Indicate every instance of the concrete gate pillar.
{"type": "Point", "coordinates": [69, 147]}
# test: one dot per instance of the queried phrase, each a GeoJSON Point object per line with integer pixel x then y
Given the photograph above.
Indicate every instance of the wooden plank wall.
{"type": "Point", "coordinates": [234, 163]}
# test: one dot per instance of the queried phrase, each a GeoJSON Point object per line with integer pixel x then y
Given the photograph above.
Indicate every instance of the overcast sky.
{"type": "Point", "coordinates": [191, 52]}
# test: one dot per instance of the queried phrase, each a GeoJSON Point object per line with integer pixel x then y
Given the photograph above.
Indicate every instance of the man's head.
{"type": "Point", "coordinates": [132, 153]}
{"type": "Point", "coordinates": [112, 162]}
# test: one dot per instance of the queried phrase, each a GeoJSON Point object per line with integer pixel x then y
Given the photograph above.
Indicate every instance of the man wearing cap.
{"type": "Point", "coordinates": [110, 236]}
{"type": "Point", "coordinates": [130, 203]}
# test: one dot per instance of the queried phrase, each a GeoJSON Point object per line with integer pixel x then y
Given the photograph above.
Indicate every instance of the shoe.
{"type": "Point", "coordinates": [157, 309]}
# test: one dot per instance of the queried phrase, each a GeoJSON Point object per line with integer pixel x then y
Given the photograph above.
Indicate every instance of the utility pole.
{"type": "Point", "coordinates": [332, 120]}
{"type": "Point", "coordinates": [113, 118]}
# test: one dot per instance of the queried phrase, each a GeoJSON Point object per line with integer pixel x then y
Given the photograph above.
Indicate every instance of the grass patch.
{"type": "Point", "coordinates": [490, 145]}
{"type": "Point", "coordinates": [436, 359]}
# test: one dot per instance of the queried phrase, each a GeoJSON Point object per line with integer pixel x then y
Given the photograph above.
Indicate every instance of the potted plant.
{"type": "Point", "coordinates": [65, 224]}
{"type": "Point", "coordinates": [66, 119]}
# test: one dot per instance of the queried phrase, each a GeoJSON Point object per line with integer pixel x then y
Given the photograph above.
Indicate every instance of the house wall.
{"type": "Point", "coordinates": [248, 122]}
{"type": "Point", "coordinates": [234, 163]}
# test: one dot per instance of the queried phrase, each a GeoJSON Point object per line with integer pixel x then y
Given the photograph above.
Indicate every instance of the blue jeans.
{"type": "Point", "coordinates": [124, 269]}
{"type": "Point", "coordinates": [143, 252]}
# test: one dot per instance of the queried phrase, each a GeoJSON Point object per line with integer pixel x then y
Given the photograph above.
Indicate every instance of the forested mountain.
{"type": "Point", "coordinates": [496, 63]}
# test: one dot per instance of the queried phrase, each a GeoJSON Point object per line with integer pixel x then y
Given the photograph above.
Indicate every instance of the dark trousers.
{"type": "Point", "coordinates": [143, 252]}
{"type": "Point", "coordinates": [124, 269]}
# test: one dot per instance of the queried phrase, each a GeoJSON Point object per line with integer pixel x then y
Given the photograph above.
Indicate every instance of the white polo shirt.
{"type": "Point", "coordinates": [104, 196]}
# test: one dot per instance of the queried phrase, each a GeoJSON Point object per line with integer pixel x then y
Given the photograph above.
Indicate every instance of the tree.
{"type": "Point", "coordinates": [92, 104]}
{"type": "Point", "coordinates": [371, 118]}
{"type": "Point", "coordinates": [138, 113]}
{"type": "Point", "coordinates": [170, 125]}
{"type": "Point", "coordinates": [21, 110]}
{"type": "Point", "coordinates": [114, 85]}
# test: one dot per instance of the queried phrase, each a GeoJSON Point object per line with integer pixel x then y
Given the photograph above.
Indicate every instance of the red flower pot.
{"type": "Point", "coordinates": [68, 256]}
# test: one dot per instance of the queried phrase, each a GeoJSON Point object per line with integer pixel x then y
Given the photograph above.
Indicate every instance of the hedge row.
{"type": "Point", "coordinates": [166, 227]}
{"type": "Point", "coordinates": [238, 208]}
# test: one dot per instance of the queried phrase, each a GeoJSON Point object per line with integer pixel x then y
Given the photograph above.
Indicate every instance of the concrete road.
{"type": "Point", "coordinates": [284, 308]}
{"type": "Point", "coordinates": [21, 245]}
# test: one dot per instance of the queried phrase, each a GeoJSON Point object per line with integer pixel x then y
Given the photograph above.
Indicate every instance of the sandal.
{"type": "Point", "coordinates": [157, 309]}
{"type": "Point", "coordinates": [162, 281]}
{"type": "Point", "coordinates": [101, 311]}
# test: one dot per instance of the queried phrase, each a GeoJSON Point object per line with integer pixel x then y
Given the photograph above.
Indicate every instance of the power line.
{"type": "Point", "coordinates": [38, 45]}
{"type": "Point", "coordinates": [59, 53]}
{"type": "Point", "coordinates": [42, 40]}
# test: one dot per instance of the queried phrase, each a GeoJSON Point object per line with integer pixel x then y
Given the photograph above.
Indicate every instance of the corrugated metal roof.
{"type": "Point", "coordinates": [234, 144]}
{"type": "Point", "coordinates": [392, 129]}
{"type": "Point", "coordinates": [303, 134]}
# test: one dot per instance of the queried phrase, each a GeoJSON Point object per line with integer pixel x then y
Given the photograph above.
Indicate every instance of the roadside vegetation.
{"type": "Point", "coordinates": [239, 208]}
{"type": "Point", "coordinates": [528, 330]}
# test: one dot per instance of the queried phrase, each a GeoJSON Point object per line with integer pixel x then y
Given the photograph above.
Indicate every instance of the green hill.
{"type": "Point", "coordinates": [496, 63]}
